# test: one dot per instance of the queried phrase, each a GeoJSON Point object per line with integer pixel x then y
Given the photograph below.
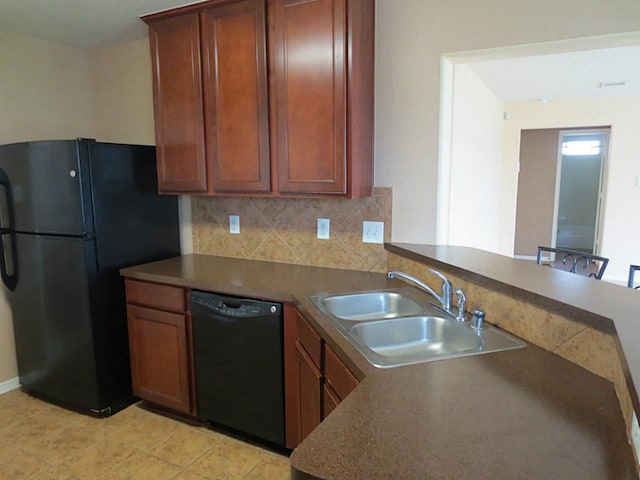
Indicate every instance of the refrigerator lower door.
{"type": "Point", "coordinates": [52, 319]}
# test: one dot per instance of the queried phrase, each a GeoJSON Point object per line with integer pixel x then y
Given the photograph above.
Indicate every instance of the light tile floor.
{"type": "Point", "coordinates": [44, 442]}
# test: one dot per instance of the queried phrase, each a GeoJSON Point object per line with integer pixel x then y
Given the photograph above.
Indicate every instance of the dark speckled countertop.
{"type": "Point", "coordinates": [521, 414]}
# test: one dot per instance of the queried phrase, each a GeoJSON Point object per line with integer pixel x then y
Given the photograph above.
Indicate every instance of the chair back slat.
{"type": "Point", "coordinates": [573, 261]}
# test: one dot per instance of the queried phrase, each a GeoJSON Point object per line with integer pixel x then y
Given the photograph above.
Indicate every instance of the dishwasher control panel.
{"type": "Point", "coordinates": [234, 307]}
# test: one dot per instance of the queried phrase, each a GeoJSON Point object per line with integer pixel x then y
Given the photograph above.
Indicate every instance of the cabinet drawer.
{"type": "Point", "coordinates": [162, 297]}
{"type": "Point", "coordinates": [310, 340]}
{"type": "Point", "coordinates": [337, 374]}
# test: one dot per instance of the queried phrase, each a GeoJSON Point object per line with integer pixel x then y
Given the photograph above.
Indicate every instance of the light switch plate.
{"type": "Point", "coordinates": [372, 232]}
{"type": "Point", "coordinates": [323, 228]}
{"type": "Point", "coordinates": [234, 224]}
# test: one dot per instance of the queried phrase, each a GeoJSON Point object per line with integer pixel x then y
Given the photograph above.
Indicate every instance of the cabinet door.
{"type": "Point", "coordinates": [159, 357]}
{"type": "Point", "coordinates": [178, 103]}
{"type": "Point", "coordinates": [309, 393]}
{"type": "Point", "coordinates": [337, 374]}
{"type": "Point", "coordinates": [236, 97]}
{"type": "Point", "coordinates": [330, 400]}
{"type": "Point", "coordinates": [308, 96]}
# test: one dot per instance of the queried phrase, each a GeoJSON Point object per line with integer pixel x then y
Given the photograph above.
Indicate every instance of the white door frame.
{"type": "Point", "coordinates": [601, 194]}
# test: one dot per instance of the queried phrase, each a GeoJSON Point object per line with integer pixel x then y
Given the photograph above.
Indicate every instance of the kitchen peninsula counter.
{"type": "Point", "coordinates": [525, 414]}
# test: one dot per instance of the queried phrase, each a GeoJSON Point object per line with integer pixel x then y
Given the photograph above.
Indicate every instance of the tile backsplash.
{"type": "Point", "coordinates": [284, 230]}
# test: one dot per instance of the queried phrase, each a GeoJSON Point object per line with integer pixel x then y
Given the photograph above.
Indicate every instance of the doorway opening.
{"type": "Point", "coordinates": [579, 193]}
{"type": "Point", "coordinates": [560, 189]}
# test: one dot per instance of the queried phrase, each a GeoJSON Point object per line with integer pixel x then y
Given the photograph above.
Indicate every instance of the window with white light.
{"type": "Point", "coordinates": [581, 147]}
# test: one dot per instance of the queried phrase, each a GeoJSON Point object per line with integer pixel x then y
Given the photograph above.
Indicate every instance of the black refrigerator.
{"type": "Point", "coordinates": [72, 213]}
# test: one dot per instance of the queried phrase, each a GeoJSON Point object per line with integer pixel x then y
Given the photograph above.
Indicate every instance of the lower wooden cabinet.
{"type": "Point", "coordinates": [322, 379]}
{"type": "Point", "coordinates": [338, 380]}
{"type": "Point", "coordinates": [330, 400]}
{"type": "Point", "coordinates": [159, 344]}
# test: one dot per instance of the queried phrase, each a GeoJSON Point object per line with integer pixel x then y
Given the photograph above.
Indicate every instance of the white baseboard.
{"type": "Point", "coordinates": [9, 385]}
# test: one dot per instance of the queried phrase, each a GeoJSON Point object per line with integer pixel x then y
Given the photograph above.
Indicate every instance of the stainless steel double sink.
{"type": "Point", "coordinates": [399, 327]}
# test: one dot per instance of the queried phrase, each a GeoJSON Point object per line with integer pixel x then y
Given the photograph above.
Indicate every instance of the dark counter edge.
{"type": "Point", "coordinates": [559, 292]}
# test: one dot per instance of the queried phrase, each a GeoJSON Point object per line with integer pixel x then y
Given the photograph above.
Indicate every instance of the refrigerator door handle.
{"type": "Point", "coordinates": [8, 270]}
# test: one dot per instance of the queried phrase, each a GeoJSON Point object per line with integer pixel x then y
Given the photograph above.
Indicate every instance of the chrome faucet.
{"type": "Point", "coordinates": [444, 297]}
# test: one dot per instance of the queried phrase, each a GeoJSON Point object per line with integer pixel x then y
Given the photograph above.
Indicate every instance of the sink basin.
{"type": "Point", "coordinates": [370, 306]}
{"type": "Point", "coordinates": [401, 326]}
{"type": "Point", "coordinates": [416, 336]}
{"type": "Point", "coordinates": [420, 339]}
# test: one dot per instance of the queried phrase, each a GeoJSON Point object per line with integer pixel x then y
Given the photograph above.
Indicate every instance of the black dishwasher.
{"type": "Point", "coordinates": [238, 355]}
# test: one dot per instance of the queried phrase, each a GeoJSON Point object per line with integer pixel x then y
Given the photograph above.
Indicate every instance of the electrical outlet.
{"type": "Point", "coordinates": [234, 224]}
{"type": "Point", "coordinates": [323, 228]}
{"type": "Point", "coordinates": [372, 232]}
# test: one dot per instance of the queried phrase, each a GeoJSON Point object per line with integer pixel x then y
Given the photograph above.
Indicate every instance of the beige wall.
{"type": "Point", "coordinates": [411, 37]}
{"type": "Point", "coordinates": [123, 93]}
{"type": "Point", "coordinates": [45, 91]}
{"type": "Point", "coordinates": [620, 229]}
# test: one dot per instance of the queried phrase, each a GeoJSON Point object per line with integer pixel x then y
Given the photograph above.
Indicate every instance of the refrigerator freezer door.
{"type": "Point", "coordinates": [46, 180]}
{"type": "Point", "coordinates": [52, 321]}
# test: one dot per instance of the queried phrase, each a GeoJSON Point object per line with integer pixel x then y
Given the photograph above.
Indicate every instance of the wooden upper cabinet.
{"type": "Point", "coordinates": [231, 119]}
{"type": "Point", "coordinates": [211, 98]}
{"type": "Point", "coordinates": [236, 96]}
{"type": "Point", "coordinates": [322, 96]}
{"type": "Point", "coordinates": [177, 94]}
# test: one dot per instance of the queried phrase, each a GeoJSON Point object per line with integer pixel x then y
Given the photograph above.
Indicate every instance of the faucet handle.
{"type": "Point", "coordinates": [462, 302]}
{"type": "Point", "coordinates": [477, 319]}
{"type": "Point", "coordinates": [439, 275]}
{"type": "Point", "coordinates": [446, 289]}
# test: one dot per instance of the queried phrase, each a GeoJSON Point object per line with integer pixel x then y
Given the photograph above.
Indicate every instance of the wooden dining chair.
{"type": "Point", "coordinates": [573, 261]}
{"type": "Point", "coordinates": [632, 271]}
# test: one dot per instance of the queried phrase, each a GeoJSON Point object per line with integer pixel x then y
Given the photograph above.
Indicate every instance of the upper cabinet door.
{"type": "Point", "coordinates": [236, 97]}
{"type": "Point", "coordinates": [178, 103]}
{"type": "Point", "coordinates": [309, 95]}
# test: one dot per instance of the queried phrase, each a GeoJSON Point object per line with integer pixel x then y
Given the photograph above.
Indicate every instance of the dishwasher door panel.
{"type": "Point", "coordinates": [238, 353]}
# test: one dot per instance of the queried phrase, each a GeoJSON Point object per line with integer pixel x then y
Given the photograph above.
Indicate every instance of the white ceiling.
{"type": "Point", "coordinates": [563, 75]}
{"type": "Point", "coordinates": [90, 24]}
